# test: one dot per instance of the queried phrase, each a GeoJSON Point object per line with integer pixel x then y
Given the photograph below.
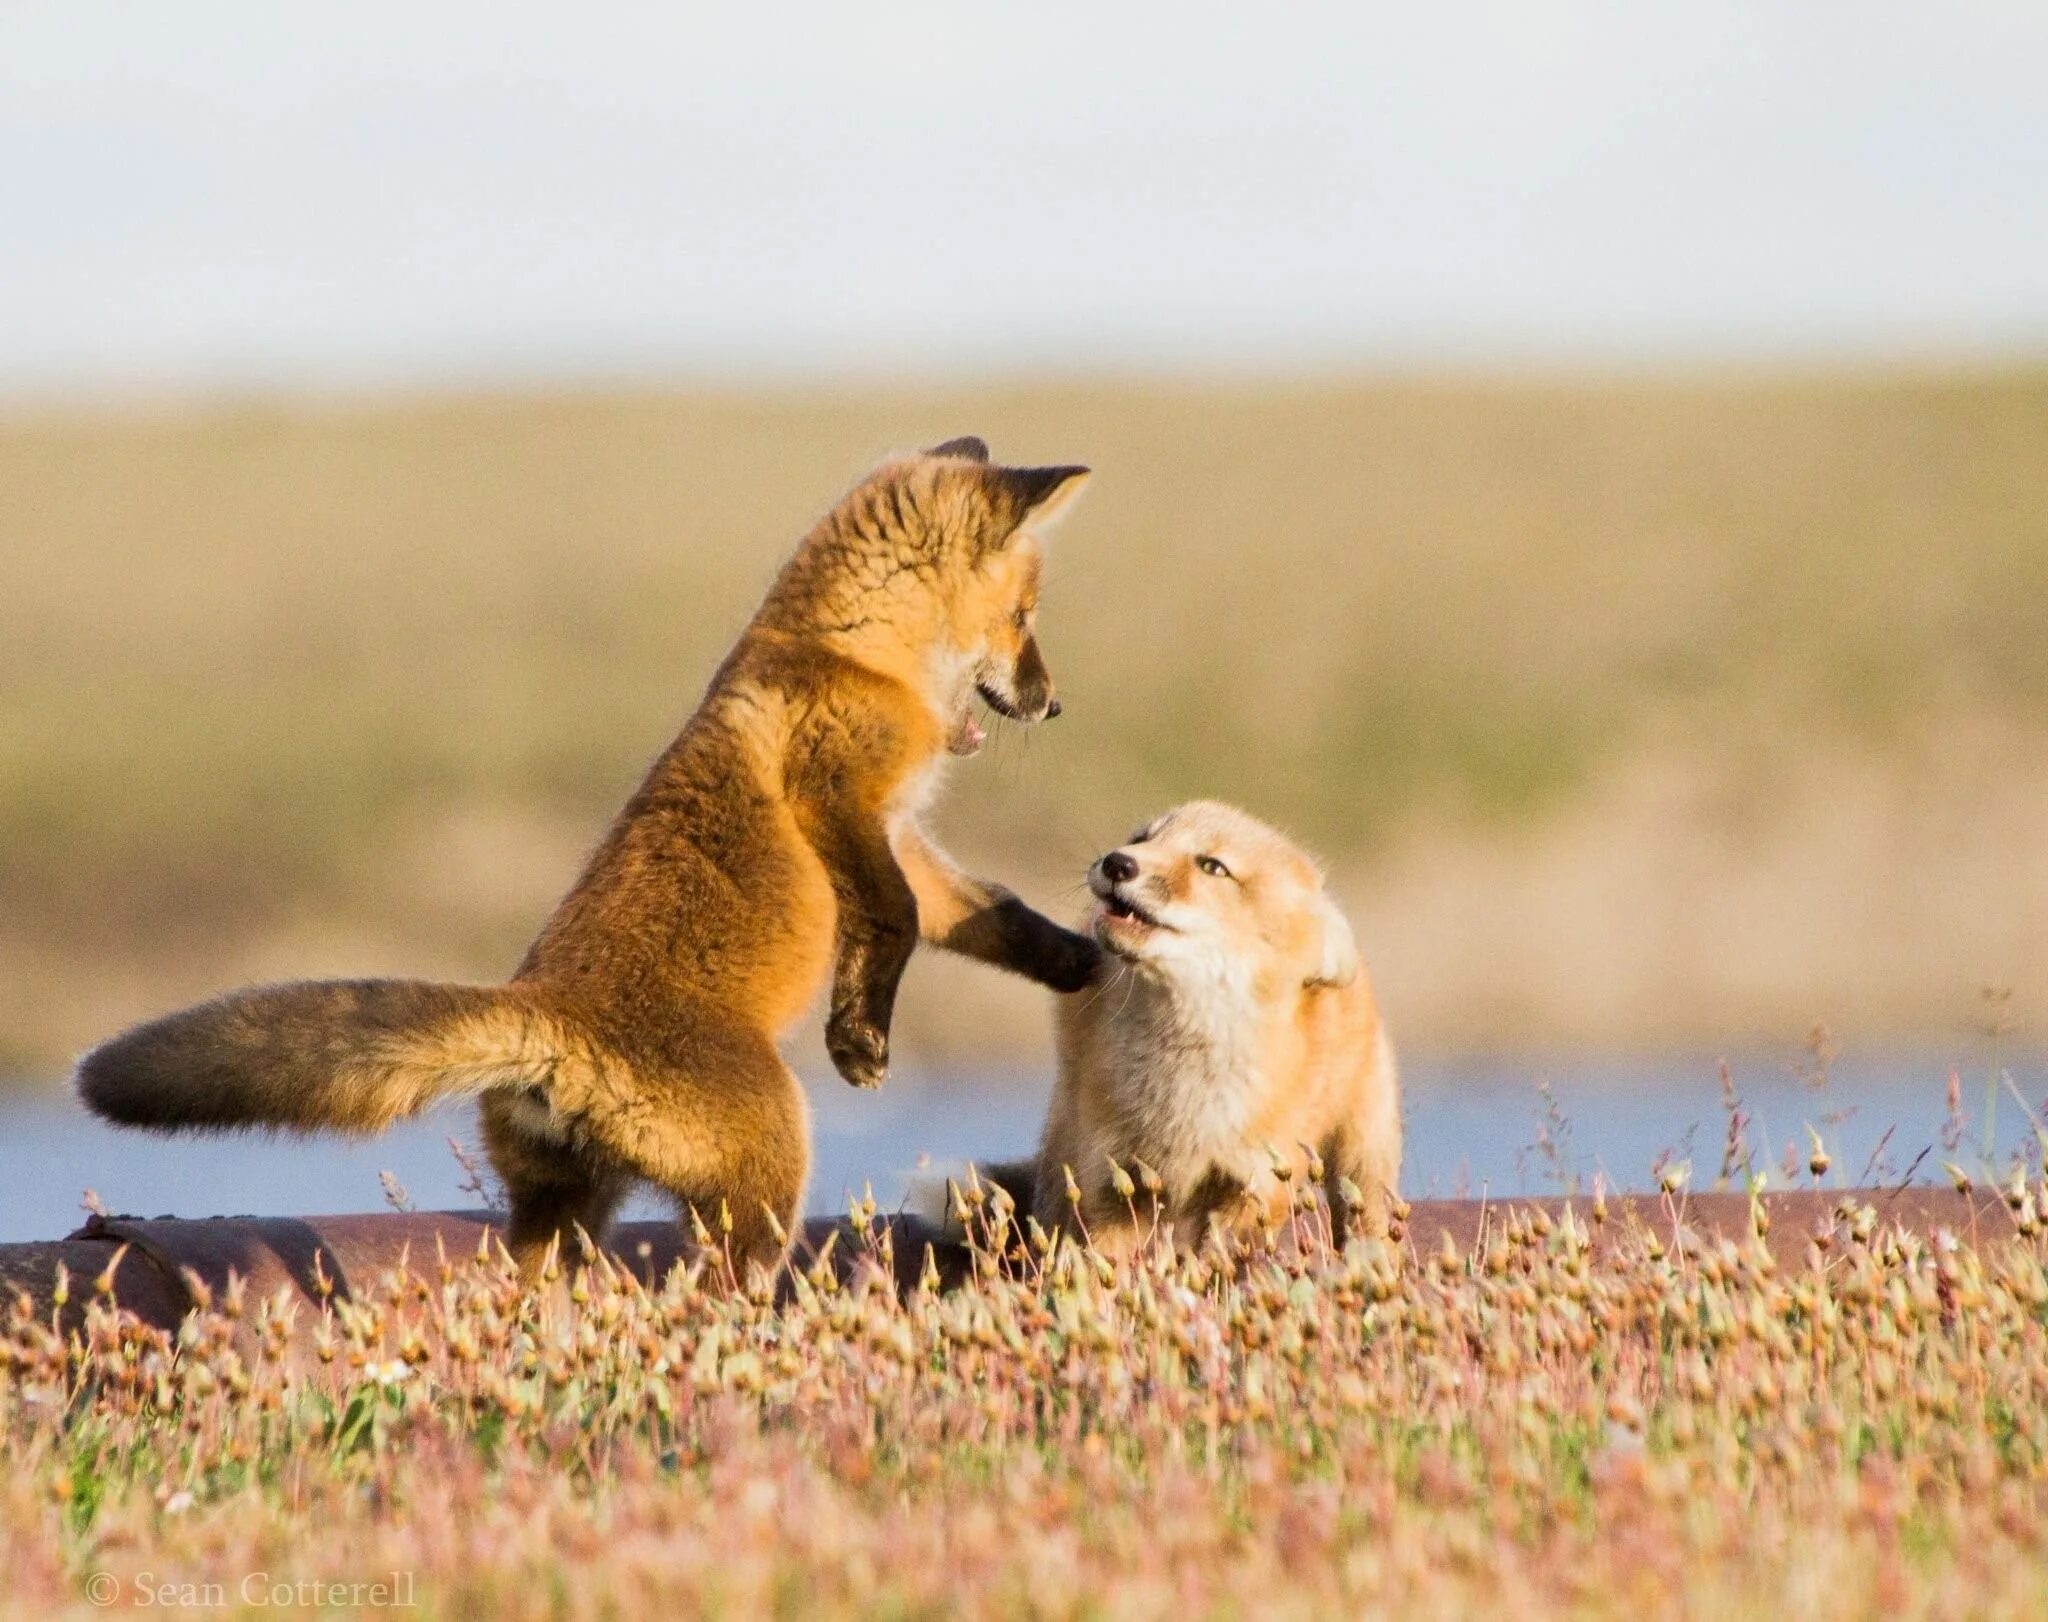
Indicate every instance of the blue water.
{"type": "Point", "coordinates": [1473, 1124]}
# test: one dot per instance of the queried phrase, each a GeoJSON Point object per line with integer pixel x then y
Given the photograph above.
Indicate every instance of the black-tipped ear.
{"type": "Point", "coordinates": [967, 447]}
{"type": "Point", "coordinates": [1041, 496]}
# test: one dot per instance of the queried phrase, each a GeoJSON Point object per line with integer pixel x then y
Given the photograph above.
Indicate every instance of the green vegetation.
{"type": "Point", "coordinates": [1561, 1422]}
{"type": "Point", "coordinates": [326, 688]}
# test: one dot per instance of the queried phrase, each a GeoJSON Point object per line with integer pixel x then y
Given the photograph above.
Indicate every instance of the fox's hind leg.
{"type": "Point", "coordinates": [723, 1128]}
{"type": "Point", "coordinates": [552, 1189]}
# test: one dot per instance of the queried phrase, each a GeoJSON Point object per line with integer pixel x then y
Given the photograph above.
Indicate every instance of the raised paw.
{"type": "Point", "coordinates": [1072, 961]}
{"type": "Point", "coordinates": [860, 1051]}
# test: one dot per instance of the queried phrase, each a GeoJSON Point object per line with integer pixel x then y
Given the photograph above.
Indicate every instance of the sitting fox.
{"type": "Point", "coordinates": [776, 837]}
{"type": "Point", "coordinates": [1230, 1043]}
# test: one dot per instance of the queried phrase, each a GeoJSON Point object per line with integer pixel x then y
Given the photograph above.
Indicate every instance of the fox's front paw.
{"type": "Point", "coordinates": [860, 1051]}
{"type": "Point", "coordinates": [1071, 962]}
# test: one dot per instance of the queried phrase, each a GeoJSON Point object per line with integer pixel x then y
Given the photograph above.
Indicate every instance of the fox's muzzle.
{"type": "Point", "coordinates": [1117, 866]}
{"type": "Point", "coordinates": [1029, 696]}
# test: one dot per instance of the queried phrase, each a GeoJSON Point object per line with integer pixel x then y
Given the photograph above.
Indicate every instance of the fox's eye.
{"type": "Point", "coordinates": [1212, 867]}
{"type": "Point", "coordinates": [1021, 618]}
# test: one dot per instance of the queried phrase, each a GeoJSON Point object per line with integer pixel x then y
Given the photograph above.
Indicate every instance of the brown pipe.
{"type": "Point", "coordinates": [168, 1264]}
{"type": "Point", "coordinates": [315, 1256]}
{"type": "Point", "coordinates": [37, 1269]}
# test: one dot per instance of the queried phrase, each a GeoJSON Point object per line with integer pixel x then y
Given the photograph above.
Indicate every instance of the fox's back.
{"type": "Point", "coordinates": [708, 883]}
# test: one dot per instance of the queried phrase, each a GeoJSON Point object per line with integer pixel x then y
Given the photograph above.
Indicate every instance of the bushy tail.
{"type": "Point", "coordinates": [927, 1197]}
{"type": "Point", "coordinates": [1016, 1178]}
{"type": "Point", "coordinates": [335, 1055]}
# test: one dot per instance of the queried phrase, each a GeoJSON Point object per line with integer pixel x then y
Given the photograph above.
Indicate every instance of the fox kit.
{"type": "Point", "coordinates": [775, 839]}
{"type": "Point", "coordinates": [1231, 1035]}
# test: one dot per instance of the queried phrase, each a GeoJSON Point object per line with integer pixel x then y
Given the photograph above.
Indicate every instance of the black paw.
{"type": "Point", "coordinates": [860, 1051]}
{"type": "Point", "coordinates": [1071, 962]}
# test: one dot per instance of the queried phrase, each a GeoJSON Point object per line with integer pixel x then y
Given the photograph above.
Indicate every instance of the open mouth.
{"type": "Point", "coordinates": [995, 701]}
{"type": "Point", "coordinates": [968, 733]}
{"type": "Point", "coordinates": [1120, 909]}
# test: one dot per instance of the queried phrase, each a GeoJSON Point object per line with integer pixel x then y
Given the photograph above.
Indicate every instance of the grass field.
{"type": "Point", "coordinates": [1627, 712]}
{"type": "Point", "coordinates": [1541, 1427]}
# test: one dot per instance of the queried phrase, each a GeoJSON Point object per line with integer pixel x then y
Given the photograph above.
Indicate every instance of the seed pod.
{"type": "Point", "coordinates": [104, 1284]}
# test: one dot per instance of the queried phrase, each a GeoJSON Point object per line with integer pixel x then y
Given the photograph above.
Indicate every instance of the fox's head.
{"type": "Point", "coordinates": [992, 627]}
{"type": "Point", "coordinates": [1209, 891]}
{"type": "Point", "coordinates": [935, 560]}
{"type": "Point", "coordinates": [987, 641]}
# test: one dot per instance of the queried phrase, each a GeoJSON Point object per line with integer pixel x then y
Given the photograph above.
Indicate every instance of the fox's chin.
{"type": "Point", "coordinates": [1115, 942]}
{"type": "Point", "coordinates": [968, 734]}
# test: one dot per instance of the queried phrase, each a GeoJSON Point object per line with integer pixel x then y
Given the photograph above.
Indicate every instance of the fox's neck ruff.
{"type": "Point", "coordinates": [1185, 1042]}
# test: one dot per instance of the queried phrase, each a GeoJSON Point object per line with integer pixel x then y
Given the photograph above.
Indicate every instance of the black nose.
{"type": "Point", "coordinates": [1052, 709]}
{"type": "Point", "coordinates": [1116, 867]}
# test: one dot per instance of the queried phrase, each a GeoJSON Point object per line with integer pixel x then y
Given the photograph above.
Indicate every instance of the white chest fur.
{"type": "Point", "coordinates": [917, 793]}
{"type": "Point", "coordinates": [1182, 1053]}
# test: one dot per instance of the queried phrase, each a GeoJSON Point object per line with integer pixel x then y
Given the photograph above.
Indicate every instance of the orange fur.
{"type": "Point", "coordinates": [774, 840]}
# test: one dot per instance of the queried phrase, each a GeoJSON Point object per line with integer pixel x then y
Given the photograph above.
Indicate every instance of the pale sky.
{"type": "Point", "coordinates": [198, 195]}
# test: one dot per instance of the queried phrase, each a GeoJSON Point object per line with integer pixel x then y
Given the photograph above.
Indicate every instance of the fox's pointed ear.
{"type": "Point", "coordinates": [1040, 496]}
{"type": "Point", "coordinates": [1337, 963]}
{"type": "Point", "coordinates": [967, 447]}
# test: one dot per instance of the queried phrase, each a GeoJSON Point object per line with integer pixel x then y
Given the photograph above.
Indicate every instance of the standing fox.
{"type": "Point", "coordinates": [777, 836]}
{"type": "Point", "coordinates": [1231, 1043]}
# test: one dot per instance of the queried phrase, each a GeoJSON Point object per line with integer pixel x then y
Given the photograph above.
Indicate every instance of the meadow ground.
{"type": "Point", "coordinates": [1628, 712]}
{"type": "Point", "coordinates": [1549, 1424]}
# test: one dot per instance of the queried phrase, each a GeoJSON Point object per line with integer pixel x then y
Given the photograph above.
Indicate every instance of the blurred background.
{"type": "Point", "coordinates": [1583, 468]}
